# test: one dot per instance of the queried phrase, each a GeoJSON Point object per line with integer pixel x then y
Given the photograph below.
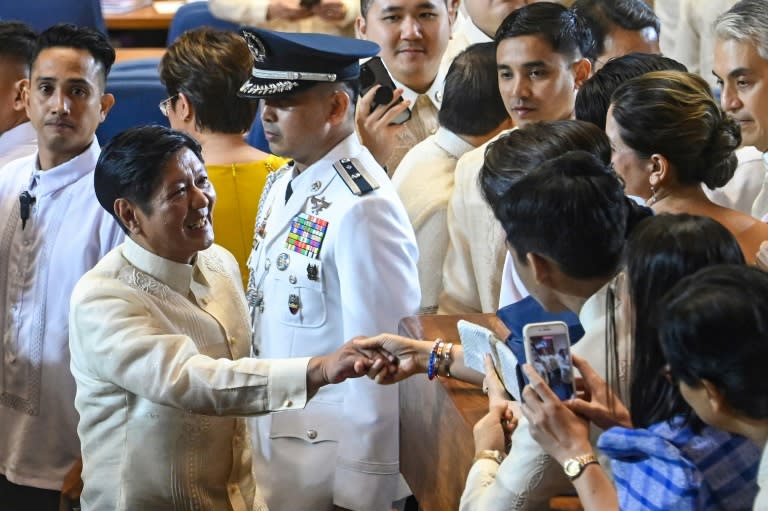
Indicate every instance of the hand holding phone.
{"type": "Point", "coordinates": [548, 350]}
{"type": "Point", "coordinates": [373, 72]}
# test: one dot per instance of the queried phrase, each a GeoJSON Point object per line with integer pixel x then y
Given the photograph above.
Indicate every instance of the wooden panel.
{"type": "Point", "coordinates": [436, 419]}
{"type": "Point", "coordinates": [144, 18]}
{"type": "Point", "coordinates": [125, 54]}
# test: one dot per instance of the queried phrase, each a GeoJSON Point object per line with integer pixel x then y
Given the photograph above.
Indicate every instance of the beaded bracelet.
{"type": "Point", "coordinates": [432, 367]}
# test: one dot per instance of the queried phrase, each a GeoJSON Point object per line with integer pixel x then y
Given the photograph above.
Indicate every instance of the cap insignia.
{"type": "Point", "coordinates": [256, 47]}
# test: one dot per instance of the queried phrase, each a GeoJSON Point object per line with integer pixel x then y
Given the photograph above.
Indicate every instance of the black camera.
{"type": "Point", "coordinates": [373, 72]}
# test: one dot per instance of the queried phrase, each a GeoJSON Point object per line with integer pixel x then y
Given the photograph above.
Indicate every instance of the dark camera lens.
{"type": "Point", "coordinates": [367, 78]}
{"type": "Point", "coordinates": [383, 95]}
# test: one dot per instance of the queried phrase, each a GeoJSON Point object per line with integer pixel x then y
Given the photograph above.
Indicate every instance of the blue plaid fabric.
{"type": "Point", "coordinates": [669, 466]}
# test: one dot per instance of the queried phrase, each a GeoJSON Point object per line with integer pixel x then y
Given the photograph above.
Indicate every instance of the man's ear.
{"type": "Point", "coordinates": [25, 94]}
{"type": "Point", "coordinates": [360, 28]}
{"type": "Point", "coordinates": [107, 102]}
{"type": "Point", "coordinates": [582, 70]}
{"type": "Point", "coordinates": [339, 107]}
{"type": "Point", "coordinates": [541, 268]}
{"type": "Point", "coordinates": [18, 97]}
{"type": "Point", "coordinates": [453, 13]}
{"type": "Point", "coordinates": [717, 401]}
{"type": "Point", "coordinates": [126, 212]}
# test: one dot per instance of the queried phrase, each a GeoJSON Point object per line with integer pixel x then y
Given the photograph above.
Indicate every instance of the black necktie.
{"type": "Point", "coordinates": [288, 192]}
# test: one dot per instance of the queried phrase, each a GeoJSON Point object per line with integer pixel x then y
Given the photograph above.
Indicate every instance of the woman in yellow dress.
{"type": "Point", "coordinates": [202, 72]}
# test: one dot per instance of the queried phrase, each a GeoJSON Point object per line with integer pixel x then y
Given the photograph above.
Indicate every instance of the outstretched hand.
{"type": "Point", "coordinates": [406, 356]}
{"type": "Point", "coordinates": [349, 361]}
{"type": "Point", "coordinates": [601, 405]}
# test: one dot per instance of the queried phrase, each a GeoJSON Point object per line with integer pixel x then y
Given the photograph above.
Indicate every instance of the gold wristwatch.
{"type": "Point", "coordinates": [490, 454]}
{"type": "Point", "coordinates": [573, 467]}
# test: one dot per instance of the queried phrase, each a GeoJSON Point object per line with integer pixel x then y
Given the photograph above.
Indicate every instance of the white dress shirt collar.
{"type": "Point", "coordinates": [177, 276]}
{"type": "Point", "coordinates": [474, 35]}
{"type": "Point", "coordinates": [56, 178]}
{"type": "Point", "coordinates": [434, 93]}
{"type": "Point", "coordinates": [452, 143]}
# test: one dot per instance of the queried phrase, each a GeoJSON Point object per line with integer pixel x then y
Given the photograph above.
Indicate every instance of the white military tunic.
{"type": "Point", "coordinates": [343, 447]}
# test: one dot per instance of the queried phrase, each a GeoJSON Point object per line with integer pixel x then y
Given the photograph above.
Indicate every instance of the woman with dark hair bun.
{"type": "Point", "coordinates": [659, 444]}
{"type": "Point", "coordinates": [669, 136]}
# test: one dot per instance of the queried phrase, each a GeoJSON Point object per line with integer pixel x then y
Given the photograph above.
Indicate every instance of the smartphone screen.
{"type": "Point", "coordinates": [548, 350]}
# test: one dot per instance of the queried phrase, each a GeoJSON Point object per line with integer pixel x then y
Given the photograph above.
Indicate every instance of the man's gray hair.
{"type": "Point", "coordinates": [745, 22]}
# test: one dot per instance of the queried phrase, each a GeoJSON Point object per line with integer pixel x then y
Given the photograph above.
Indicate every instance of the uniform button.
{"type": "Point", "coordinates": [204, 300]}
{"type": "Point", "coordinates": [288, 403]}
{"type": "Point", "coordinates": [311, 434]}
{"type": "Point", "coordinates": [232, 340]}
{"type": "Point", "coordinates": [433, 131]}
{"type": "Point", "coordinates": [292, 279]}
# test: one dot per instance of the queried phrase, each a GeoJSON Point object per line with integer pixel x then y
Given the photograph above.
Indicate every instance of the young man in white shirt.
{"type": "Point", "coordinates": [413, 35]}
{"type": "Point", "coordinates": [53, 232]}
{"type": "Point", "coordinates": [542, 57]}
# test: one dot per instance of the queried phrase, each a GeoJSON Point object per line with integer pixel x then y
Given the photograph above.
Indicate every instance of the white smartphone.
{"type": "Point", "coordinates": [548, 350]}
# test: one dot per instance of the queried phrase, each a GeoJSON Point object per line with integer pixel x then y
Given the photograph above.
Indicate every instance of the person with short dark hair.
{"type": "Point", "coordinates": [712, 329]}
{"type": "Point", "coordinates": [160, 343]}
{"type": "Point", "coordinates": [413, 35]}
{"type": "Point", "coordinates": [205, 105]}
{"type": "Point", "coordinates": [53, 232]}
{"type": "Point", "coordinates": [619, 27]}
{"type": "Point", "coordinates": [17, 135]}
{"type": "Point", "coordinates": [670, 137]}
{"type": "Point", "coordinates": [334, 257]}
{"type": "Point", "coordinates": [658, 440]}
{"type": "Point", "coordinates": [548, 204]}
{"type": "Point", "coordinates": [594, 97]}
{"type": "Point", "coordinates": [424, 178]}
{"type": "Point", "coordinates": [543, 53]}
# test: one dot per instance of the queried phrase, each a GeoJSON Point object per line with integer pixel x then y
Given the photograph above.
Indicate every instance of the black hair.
{"type": "Point", "coordinates": [472, 79]}
{"type": "Point", "coordinates": [662, 250]}
{"type": "Point", "coordinates": [573, 200]}
{"type": "Point", "coordinates": [713, 326]}
{"type": "Point", "coordinates": [674, 114]}
{"type": "Point", "coordinates": [523, 150]}
{"type": "Point", "coordinates": [565, 32]}
{"type": "Point", "coordinates": [594, 96]}
{"type": "Point", "coordinates": [131, 165]}
{"type": "Point", "coordinates": [602, 15]}
{"type": "Point", "coordinates": [83, 38]}
{"type": "Point", "coordinates": [17, 41]}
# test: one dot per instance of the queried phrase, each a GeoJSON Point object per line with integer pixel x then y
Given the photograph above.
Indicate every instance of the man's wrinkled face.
{"type": "Point", "coordinates": [742, 75]}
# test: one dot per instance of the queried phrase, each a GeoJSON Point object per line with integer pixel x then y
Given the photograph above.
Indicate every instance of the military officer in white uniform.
{"type": "Point", "coordinates": [334, 257]}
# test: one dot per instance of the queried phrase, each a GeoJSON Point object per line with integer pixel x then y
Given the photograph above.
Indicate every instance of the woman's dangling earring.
{"type": "Point", "coordinates": [653, 198]}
